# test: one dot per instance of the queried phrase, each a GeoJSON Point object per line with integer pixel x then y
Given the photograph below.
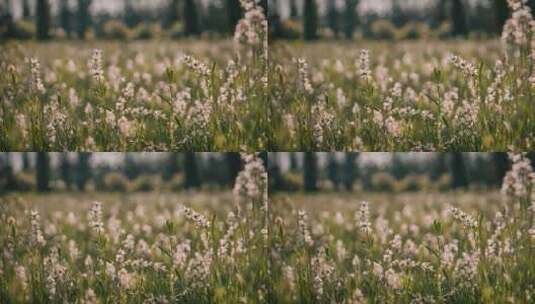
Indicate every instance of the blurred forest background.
{"type": "Point", "coordinates": [118, 172]}
{"type": "Point", "coordinates": [387, 19]}
{"type": "Point", "coordinates": [119, 19]}
{"type": "Point", "coordinates": [386, 172]}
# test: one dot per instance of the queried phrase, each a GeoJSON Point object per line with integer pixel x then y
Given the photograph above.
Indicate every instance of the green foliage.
{"type": "Point", "coordinates": [136, 248]}
{"type": "Point", "coordinates": [199, 119]}
{"type": "Point", "coordinates": [24, 29]}
{"type": "Point", "coordinates": [383, 29]}
{"type": "Point", "coordinates": [115, 182]}
{"type": "Point", "coordinates": [415, 249]}
{"type": "Point", "coordinates": [115, 29]}
{"type": "Point", "coordinates": [145, 183]}
{"type": "Point", "coordinates": [414, 183]}
{"type": "Point", "coordinates": [400, 101]}
{"type": "Point", "coordinates": [383, 182]}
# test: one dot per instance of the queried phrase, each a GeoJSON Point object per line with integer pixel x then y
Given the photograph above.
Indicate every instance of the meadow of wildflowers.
{"type": "Point", "coordinates": [407, 96]}
{"type": "Point", "coordinates": [420, 248]}
{"type": "Point", "coordinates": [155, 95]}
{"type": "Point", "coordinates": [204, 249]}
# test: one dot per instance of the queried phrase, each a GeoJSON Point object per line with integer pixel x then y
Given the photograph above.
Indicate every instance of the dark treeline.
{"type": "Point", "coordinates": [130, 172]}
{"type": "Point", "coordinates": [73, 19]}
{"type": "Point", "coordinates": [346, 171]}
{"type": "Point", "coordinates": [440, 19]}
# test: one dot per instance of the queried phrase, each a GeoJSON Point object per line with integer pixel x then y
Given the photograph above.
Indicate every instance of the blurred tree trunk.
{"type": "Point", "coordinates": [234, 166]}
{"type": "Point", "coordinates": [294, 14]}
{"type": "Point", "coordinates": [310, 20]}
{"type": "Point", "coordinates": [531, 4]}
{"type": "Point", "coordinates": [264, 157]}
{"type": "Point", "coordinates": [310, 172]}
{"type": "Point", "coordinates": [65, 168]}
{"type": "Point", "coordinates": [234, 13]}
{"type": "Point", "coordinates": [350, 170]}
{"type": "Point", "coordinates": [501, 14]}
{"type": "Point", "coordinates": [350, 18]}
{"type": "Point", "coordinates": [173, 14]}
{"type": "Point", "coordinates": [501, 165]}
{"type": "Point", "coordinates": [6, 170]}
{"type": "Point", "coordinates": [43, 172]}
{"type": "Point", "coordinates": [276, 181]}
{"type": "Point", "coordinates": [440, 166]}
{"type": "Point", "coordinates": [26, 9]}
{"type": "Point", "coordinates": [25, 162]}
{"type": "Point", "coordinates": [84, 17]}
{"type": "Point", "coordinates": [332, 17]}
{"type": "Point", "coordinates": [65, 17]}
{"type": "Point", "coordinates": [191, 19]}
{"type": "Point", "coordinates": [294, 166]}
{"type": "Point", "coordinates": [130, 169]}
{"type": "Point", "coordinates": [264, 5]}
{"type": "Point", "coordinates": [43, 20]}
{"type": "Point", "coordinates": [332, 170]}
{"type": "Point", "coordinates": [191, 171]}
{"type": "Point", "coordinates": [398, 168]}
{"type": "Point", "coordinates": [440, 11]}
{"type": "Point", "coordinates": [398, 16]}
{"type": "Point", "coordinates": [458, 171]}
{"type": "Point", "coordinates": [458, 15]}
{"type": "Point", "coordinates": [171, 166]}
{"type": "Point", "coordinates": [83, 170]}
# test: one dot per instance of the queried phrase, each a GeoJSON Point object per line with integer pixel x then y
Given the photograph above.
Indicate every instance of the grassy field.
{"type": "Point", "coordinates": [188, 247]}
{"type": "Point", "coordinates": [457, 247]}
{"type": "Point", "coordinates": [144, 96]}
{"type": "Point", "coordinates": [403, 96]}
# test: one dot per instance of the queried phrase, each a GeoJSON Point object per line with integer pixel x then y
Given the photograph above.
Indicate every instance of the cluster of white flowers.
{"type": "Point", "coordinates": [196, 65]}
{"type": "Point", "coordinates": [364, 217]}
{"type": "Point", "coordinates": [95, 66]}
{"type": "Point", "coordinates": [323, 120]}
{"type": "Point", "coordinates": [466, 219]}
{"type": "Point", "coordinates": [519, 27]}
{"type": "Point", "coordinates": [252, 28]}
{"type": "Point", "coordinates": [252, 180]}
{"type": "Point", "coordinates": [323, 272]}
{"type": "Point", "coordinates": [520, 180]}
{"type": "Point", "coordinates": [466, 67]}
{"type": "Point", "coordinates": [224, 243]}
{"type": "Point", "coordinates": [364, 65]}
{"type": "Point", "coordinates": [37, 234]}
{"type": "Point", "coordinates": [95, 218]}
{"type": "Point", "coordinates": [22, 276]}
{"type": "Point", "coordinates": [302, 222]}
{"type": "Point", "coordinates": [304, 79]}
{"type": "Point", "coordinates": [36, 81]}
{"type": "Point", "coordinates": [198, 219]}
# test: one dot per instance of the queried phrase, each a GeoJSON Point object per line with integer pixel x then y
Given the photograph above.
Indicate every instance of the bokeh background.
{"type": "Point", "coordinates": [119, 19]}
{"type": "Point", "coordinates": [386, 172]}
{"type": "Point", "coordinates": [118, 172]}
{"type": "Point", "coordinates": [387, 19]}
